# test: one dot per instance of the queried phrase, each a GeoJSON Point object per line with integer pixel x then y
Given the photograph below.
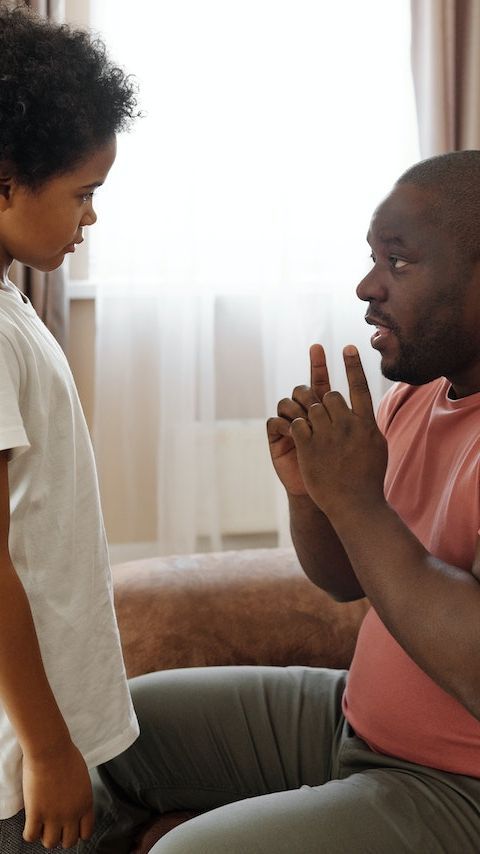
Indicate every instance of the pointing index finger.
{"type": "Point", "coordinates": [360, 397]}
{"type": "Point", "coordinates": [319, 380]}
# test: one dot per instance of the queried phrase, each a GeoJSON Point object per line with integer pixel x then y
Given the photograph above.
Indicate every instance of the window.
{"type": "Point", "coordinates": [231, 235]}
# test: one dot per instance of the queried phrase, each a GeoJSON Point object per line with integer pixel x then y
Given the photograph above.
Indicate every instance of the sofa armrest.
{"type": "Point", "coordinates": [252, 606]}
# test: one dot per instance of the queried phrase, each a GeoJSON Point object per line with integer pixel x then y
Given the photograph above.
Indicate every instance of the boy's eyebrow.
{"type": "Point", "coordinates": [91, 186]}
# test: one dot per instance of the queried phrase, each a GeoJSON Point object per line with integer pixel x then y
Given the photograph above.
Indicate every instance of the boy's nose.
{"type": "Point", "coordinates": [89, 218]}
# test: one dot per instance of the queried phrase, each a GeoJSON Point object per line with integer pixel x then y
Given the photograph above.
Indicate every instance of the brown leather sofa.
{"type": "Point", "coordinates": [252, 606]}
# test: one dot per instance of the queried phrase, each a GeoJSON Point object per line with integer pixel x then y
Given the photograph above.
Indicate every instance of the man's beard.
{"type": "Point", "coordinates": [436, 350]}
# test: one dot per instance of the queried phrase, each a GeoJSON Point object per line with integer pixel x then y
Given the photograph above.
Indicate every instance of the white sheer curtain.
{"type": "Point", "coordinates": [231, 235]}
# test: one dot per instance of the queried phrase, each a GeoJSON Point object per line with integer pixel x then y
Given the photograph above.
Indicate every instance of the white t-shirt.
{"type": "Point", "coordinates": [58, 547]}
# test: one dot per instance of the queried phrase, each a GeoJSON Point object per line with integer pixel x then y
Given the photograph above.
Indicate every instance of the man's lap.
{"type": "Point", "coordinates": [387, 806]}
{"type": "Point", "coordinates": [227, 733]}
{"type": "Point", "coordinates": [258, 748]}
{"type": "Point", "coordinates": [368, 813]}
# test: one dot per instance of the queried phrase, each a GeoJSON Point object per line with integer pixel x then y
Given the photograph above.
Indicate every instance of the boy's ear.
{"type": "Point", "coordinates": [6, 182]}
{"type": "Point", "coordinates": [5, 192]}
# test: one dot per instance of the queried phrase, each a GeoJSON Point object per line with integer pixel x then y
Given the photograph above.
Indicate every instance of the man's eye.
{"type": "Point", "coordinates": [396, 262]}
{"type": "Point", "coordinates": [372, 256]}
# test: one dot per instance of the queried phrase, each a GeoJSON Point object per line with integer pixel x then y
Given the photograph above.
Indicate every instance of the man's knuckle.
{"type": "Point", "coordinates": [299, 390]}
{"type": "Point", "coordinates": [359, 384]}
{"type": "Point", "coordinates": [332, 397]}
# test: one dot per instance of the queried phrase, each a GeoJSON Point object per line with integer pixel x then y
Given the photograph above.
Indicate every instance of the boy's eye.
{"type": "Point", "coordinates": [87, 196]}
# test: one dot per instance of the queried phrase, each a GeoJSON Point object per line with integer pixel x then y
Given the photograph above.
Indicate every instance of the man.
{"type": "Point", "coordinates": [388, 759]}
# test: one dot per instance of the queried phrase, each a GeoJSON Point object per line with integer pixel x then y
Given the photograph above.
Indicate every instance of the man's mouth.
{"type": "Point", "coordinates": [382, 330]}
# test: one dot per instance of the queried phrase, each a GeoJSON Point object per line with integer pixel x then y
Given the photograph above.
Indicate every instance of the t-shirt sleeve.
{"type": "Point", "coordinates": [12, 431]}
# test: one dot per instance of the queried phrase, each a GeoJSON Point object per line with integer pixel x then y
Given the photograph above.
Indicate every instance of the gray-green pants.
{"type": "Point", "coordinates": [269, 754]}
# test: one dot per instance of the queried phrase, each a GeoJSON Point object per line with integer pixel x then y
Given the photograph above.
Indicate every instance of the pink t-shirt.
{"type": "Point", "coordinates": [433, 482]}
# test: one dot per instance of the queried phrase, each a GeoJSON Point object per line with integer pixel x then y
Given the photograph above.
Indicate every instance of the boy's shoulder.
{"type": "Point", "coordinates": [15, 312]}
{"type": "Point", "coordinates": [15, 329]}
{"type": "Point", "coordinates": [9, 326]}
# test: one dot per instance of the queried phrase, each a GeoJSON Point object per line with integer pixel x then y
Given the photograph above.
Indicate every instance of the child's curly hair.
{"type": "Point", "coordinates": [60, 96]}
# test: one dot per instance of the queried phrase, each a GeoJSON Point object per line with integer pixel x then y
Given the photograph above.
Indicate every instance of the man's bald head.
{"type": "Point", "coordinates": [453, 183]}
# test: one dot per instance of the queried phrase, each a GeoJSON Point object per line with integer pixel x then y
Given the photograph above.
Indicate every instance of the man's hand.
{"type": "Point", "coordinates": [58, 798]}
{"type": "Point", "coordinates": [342, 455]}
{"type": "Point", "coordinates": [281, 442]}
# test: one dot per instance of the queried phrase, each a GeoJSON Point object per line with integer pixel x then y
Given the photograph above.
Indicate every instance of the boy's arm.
{"type": "Point", "coordinates": [56, 784]}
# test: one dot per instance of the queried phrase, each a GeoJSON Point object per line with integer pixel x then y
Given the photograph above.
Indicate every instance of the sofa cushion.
{"type": "Point", "coordinates": [252, 606]}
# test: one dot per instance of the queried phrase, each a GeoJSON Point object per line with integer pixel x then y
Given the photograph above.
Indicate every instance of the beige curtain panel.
{"type": "Point", "coordinates": [446, 71]}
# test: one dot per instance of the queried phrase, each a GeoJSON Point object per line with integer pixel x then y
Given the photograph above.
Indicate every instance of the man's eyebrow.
{"type": "Point", "coordinates": [389, 241]}
{"type": "Point", "coordinates": [394, 240]}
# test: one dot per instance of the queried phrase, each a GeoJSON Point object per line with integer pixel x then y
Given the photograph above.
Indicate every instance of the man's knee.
{"type": "Point", "coordinates": [207, 837]}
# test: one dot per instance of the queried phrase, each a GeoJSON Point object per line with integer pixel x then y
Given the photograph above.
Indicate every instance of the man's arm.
{"type": "Point", "coordinates": [318, 548]}
{"type": "Point", "coordinates": [56, 785]}
{"type": "Point", "coordinates": [320, 552]}
{"type": "Point", "coordinates": [431, 608]}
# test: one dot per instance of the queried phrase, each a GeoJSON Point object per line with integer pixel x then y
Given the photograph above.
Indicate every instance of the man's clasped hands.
{"type": "Point", "coordinates": [322, 448]}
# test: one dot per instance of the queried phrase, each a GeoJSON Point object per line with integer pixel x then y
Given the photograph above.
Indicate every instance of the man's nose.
{"type": "Point", "coordinates": [371, 287]}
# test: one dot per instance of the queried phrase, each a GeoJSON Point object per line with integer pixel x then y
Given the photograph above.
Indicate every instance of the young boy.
{"type": "Point", "coordinates": [64, 700]}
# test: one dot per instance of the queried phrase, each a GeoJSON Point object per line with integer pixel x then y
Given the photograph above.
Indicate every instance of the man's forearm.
{"type": "Point", "coordinates": [25, 692]}
{"type": "Point", "coordinates": [430, 607]}
{"type": "Point", "coordinates": [320, 552]}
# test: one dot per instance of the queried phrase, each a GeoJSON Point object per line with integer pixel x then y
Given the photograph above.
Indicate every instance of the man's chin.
{"type": "Point", "coordinates": [390, 371]}
{"type": "Point", "coordinates": [405, 374]}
